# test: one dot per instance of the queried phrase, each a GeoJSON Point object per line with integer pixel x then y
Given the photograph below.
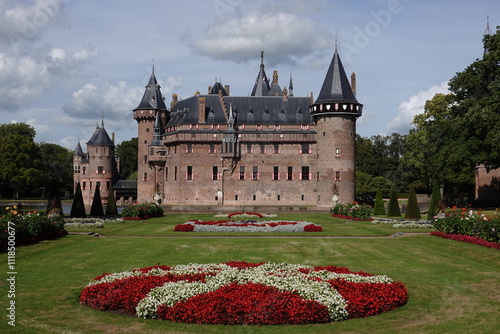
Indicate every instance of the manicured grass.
{"type": "Point", "coordinates": [453, 286]}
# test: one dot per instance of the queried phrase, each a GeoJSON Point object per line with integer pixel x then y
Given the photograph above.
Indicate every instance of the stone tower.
{"type": "Point", "coordinates": [152, 106]}
{"type": "Point", "coordinates": [335, 113]}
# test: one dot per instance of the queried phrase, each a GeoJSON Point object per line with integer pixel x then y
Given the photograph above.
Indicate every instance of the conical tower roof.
{"type": "Point", "coordinates": [336, 87]}
{"type": "Point", "coordinates": [78, 150]}
{"type": "Point", "coordinates": [100, 137]}
{"type": "Point", "coordinates": [152, 98]}
{"type": "Point", "coordinates": [261, 87]}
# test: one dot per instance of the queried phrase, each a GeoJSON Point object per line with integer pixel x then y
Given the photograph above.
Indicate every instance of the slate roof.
{"type": "Point", "coordinates": [152, 98]}
{"type": "Point", "coordinates": [100, 138]}
{"type": "Point", "coordinates": [261, 87]}
{"type": "Point", "coordinates": [247, 110]}
{"type": "Point", "coordinates": [78, 150]}
{"type": "Point", "coordinates": [336, 87]}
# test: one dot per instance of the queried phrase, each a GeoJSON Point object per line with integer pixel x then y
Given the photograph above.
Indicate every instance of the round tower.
{"type": "Point", "coordinates": [335, 113]}
{"type": "Point", "coordinates": [152, 104]}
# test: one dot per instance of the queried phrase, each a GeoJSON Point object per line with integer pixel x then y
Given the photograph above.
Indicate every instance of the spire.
{"type": "Point", "coordinates": [487, 31]}
{"type": "Point", "coordinates": [157, 128]}
{"type": "Point", "coordinates": [78, 149]}
{"type": "Point", "coordinates": [336, 87]}
{"type": "Point", "coordinates": [152, 98]}
{"type": "Point", "coordinates": [290, 86]}
{"type": "Point", "coordinates": [261, 87]}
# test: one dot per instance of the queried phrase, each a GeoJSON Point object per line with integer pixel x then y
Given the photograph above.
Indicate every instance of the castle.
{"type": "Point", "coordinates": [269, 148]}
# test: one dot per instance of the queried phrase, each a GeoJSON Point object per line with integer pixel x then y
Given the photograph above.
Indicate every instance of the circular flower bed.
{"type": "Point", "coordinates": [247, 226]}
{"type": "Point", "coordinates": [235, 293]}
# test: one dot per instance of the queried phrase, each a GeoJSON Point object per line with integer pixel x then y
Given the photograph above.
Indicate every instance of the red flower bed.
{"type": "Point", "coordinates": [132, 218]}
{"type": "Point", "coordinates": [351, 218]}
{"type": "Point", "coordinates": [246, 304]}
{"type": "Point", "coordinates": [468, 239]}
{"type": "Point", "coordinates": [246, 300]}
{"type": "Point", "coordinates": [313, 228]}
{"type": "Point", "coordinates": [184, 228]}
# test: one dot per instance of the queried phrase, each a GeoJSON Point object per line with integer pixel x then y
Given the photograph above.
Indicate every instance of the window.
{"type": "Point", "coordinates": [108, 184]}
{"type": "Point", "coordinates": [255, 173]}
{"type": "Point", "coordinates": [98, 185]}
{"type": "Point", "coordinates": [166, 173]}
{"type": "Point", "coordinates": [212, 148]}
{"type": "Point", "coordinates": [289, 173]}
{"type": "Point", "coordinates": [249, 148]}
{"type": "Point", "coordinates": [100, 170]}
{"type": "Point", "coordinates": [145, 177]}
{"type": "Point", "coordinates": [337, 176]}
{"type": "Point", "coordinates": [242, 173]}
{"type": "Point", "coordinates": [175, 173]}
{"type": "Point", "coordinates": [84, 185]}
{"type": "Point", "coordinates": [262, 149]}
{"type": "Point", "coordinates": [145, 160]}
{"type": "Point", "coordinates": [189, 173]}
{"type": "Point", "coordinates": [77, 169]}
{"type": "Point", "coordinates": [276, 173]}
{"type": "Point", "coordinates": [337, 152]}
{"type": "Point", "coordinates": [189, 148]}
{"type": "Point", "coordinates": [90, 185]}
{"type": "Point", "coordinates": [305, 175]}
{"type": "Point", "coordinates": [276, 149]}
{"type": "Point", "coordinates": [84, 170]}
{"type": "Point", "coordinates": [305, 148]}
{"type": "Point", "coordinates": [215, 173]}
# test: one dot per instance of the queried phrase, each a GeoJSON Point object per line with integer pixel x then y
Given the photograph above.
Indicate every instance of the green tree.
{"type": "Point", "coordinates": [127, 153]}
{"type": "Point", "coordinates": [436, 200]}
{"type": "Point", "coordinates": [57, 166]}
{"type": "Point", "coordinates": [96, 209]}
{"type": "Point", "coordinates": [393, 210]}
{"type": "Point", "coordinates": [78, 207]}
{"type": "Point", "coordinates": [412, 210]}
{"type": "Point", "coordinates": [111, 204]}
{"type": "Point", "coordinates": [21, 158]}
{"type": "Point", "coordinates": [379, 208]}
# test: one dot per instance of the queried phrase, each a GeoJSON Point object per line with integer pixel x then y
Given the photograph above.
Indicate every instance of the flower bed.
{"type": "Point", "coordinates": [247, 226]}
{"type": "Point", "coordinates": [246, 215]}
{"type": "Point", "coordinates": [352, 211]}
{"type": "Point", "coordinates": [235, 293]}
{"type": "Point", "coordinates": [90, 222]}
{"type": "Point", "coordinates": [139, 211]}
{"type": "Point", "coordinates": [424, 224]}
{"type": "Point", "coordinates": [352, 218]}
{"type": "Point", "coordinates": [468, 239]}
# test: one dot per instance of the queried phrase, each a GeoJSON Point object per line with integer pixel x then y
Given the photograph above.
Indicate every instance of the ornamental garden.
{"type": "Point", "coordinates": [349, 270]}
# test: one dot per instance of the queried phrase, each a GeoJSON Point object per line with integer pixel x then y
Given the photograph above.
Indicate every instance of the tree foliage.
{"type": "Point", "coordinates": [412, 210]}
{"type": "Point", "coordinates": [393, 210]}
{"type": "Point", "coordinates": [127, 153]}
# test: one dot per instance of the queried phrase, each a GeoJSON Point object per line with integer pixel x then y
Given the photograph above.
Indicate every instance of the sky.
{"type": "Point", "coordinates": [68, 65]}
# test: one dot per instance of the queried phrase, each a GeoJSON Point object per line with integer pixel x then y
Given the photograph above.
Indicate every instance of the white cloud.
{"type": "Point", "coordinates": [284, 37]}
{"type": "Point", "coordinates": [407, 110]}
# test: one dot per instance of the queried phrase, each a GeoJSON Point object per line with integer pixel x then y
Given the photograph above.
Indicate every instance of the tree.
{"type": "Point", "coordinates": [412, 210]}
{"type": "Point", "coordinates": [19, 170]}
{"type": "Point", "coordinates": [54, 205]}
{"type": "Point", "coordinates": [78, 207]}
{"type": "Point", "coordinates": [127, 153]}
{"type": "Point", "coordinates": [379, 208]}
{"type": "Point", "coordinates": [393, 210]}
{"type": "Point", "coordinates": [57, 166]}
{"type": "Point", "coordinates": [96, 209]}
{"type": "Point", "coordinates": [111, 205]}
{"type": "Point", "coordinates": [436, 201]}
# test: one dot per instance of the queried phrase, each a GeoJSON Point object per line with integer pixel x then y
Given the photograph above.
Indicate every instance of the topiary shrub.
{"type": "Point", "coordinates": [412, 211]}
{"type": "Point", "coordinates": [393, 210]}
{"type": "Point", "coordinates": [435, 203]}
{"type": "Point", "coordinates": [111, 206]}
{"type": "Point", "coordinates": [379, 208]}
{"type": "Point", "coordinates": [54, 205]}
{"type": "Point", "coordinates": [96, 208]}
{"type": "Point", "coordinates": [78, 208]}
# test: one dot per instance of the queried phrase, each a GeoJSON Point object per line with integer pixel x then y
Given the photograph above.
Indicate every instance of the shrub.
{"type": "Point", "coordinates": [78, 208]}
{"type": "Point", "coordinates": [96, 209]}
{"type": "Point", "coordinates": [379, 208]}
{"type": "Point", "coordinates": [435, 204]}
{"type": "Point", "coordinates": [352, 210]}
{"type": "Point", "coordinates": [393, 210]}
{"type": "Point", "coordinates": [143, 210]}
{"type": "Point", "coordinates": [111, 205]}
{"type": "Point", "coordinates": [412, 211]}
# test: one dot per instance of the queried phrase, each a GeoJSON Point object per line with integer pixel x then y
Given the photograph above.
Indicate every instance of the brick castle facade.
{"type": "Point", "coordinates": [269, 148]}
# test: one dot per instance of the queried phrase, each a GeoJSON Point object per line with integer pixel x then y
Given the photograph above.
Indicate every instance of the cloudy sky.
{"type": "Point", "coordinates": [65, 63]}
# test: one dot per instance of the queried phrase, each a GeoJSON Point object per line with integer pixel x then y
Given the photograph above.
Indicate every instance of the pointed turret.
{"type": "Point", "coordinates": [157, 128]}
{"type": "Point", "coordinates": [152, 98]}
{"type": "Point", "coordinates": [100, 138]}
{"type": "Point", "coordinates": [487, 32]}
{"type": "Point", "coordinates": [336, 94]}
{"type": "Point", "coordinates": [261, 87]}
{"type": "Point", "coordinates": [290, 86]}
{"type": "Point", "coordinates": [79, 150]}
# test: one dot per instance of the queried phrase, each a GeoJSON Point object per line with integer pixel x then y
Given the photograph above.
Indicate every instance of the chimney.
{"type": "Point", "coordinates": [174, 102]}
{"type": "Point", "coordinates": [209, 90]}
{"type": "Point", "coordinates": [285, 94]}
{"type": "Point", "coordinates": [353, 83]}
{"type": "Point", "coordinates": [275, 77]}
{"type": "Point", "coordinates": [113, 137]}
{"type": "Point", "coordinates": [226, 87]}
{"type": "Point", "coordinates": [201, 110]}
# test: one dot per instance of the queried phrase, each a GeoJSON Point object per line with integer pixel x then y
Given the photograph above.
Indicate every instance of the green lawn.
{"type": "Point", "coordinates": [453, 286]}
